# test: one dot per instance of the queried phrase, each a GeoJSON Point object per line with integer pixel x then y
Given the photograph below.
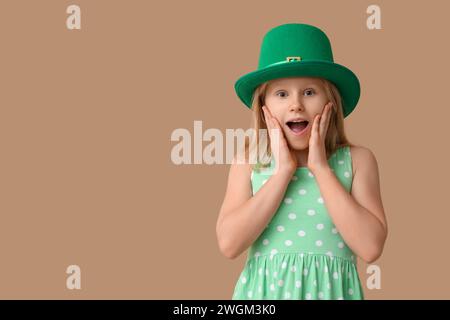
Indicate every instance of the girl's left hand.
{"type": "Point", "coordinates": [317, 158]}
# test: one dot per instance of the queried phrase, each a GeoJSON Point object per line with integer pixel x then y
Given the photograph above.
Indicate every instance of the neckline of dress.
{"type": "Point", "coordinates": [306, 168]}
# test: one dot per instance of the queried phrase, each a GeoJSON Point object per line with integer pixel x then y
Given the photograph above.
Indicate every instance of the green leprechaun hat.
{"type": "Point", "coordinates": [296, 50]}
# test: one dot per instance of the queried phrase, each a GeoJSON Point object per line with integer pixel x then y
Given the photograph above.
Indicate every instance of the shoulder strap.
{"type": "Point", "coordinates": [342, 161]}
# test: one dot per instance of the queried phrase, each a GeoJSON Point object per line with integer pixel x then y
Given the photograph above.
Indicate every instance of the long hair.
{"type": "Point", "coordinates": [260, 141]}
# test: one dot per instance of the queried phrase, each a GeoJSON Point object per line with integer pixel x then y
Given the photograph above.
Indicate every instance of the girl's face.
{"type": "Point", "coordinates": [292, 100]}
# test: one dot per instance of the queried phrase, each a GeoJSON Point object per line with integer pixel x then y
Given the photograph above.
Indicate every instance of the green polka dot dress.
{"type": "Point", "coordinates": [300, 254]}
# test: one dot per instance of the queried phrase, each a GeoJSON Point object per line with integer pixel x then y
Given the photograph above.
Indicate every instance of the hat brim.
{"type": "Point", "coordinates": [343, 78]}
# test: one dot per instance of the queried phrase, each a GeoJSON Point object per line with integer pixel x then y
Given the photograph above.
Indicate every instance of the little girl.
{"type": "Point", "coordinates": [315, 204]}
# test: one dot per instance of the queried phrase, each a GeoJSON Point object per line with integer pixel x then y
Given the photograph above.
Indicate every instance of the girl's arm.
{"type": "Point", "coordinates": [358, 216]}
{"type": "Point", "coordinates": [243, 217]}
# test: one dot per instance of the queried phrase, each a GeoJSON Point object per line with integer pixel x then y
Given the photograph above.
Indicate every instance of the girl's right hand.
{"type": "Point", "coordinates": [284, 157]}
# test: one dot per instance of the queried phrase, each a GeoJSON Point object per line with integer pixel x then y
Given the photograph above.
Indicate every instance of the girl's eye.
{"type": "Point", "coordinates": [284, 93]}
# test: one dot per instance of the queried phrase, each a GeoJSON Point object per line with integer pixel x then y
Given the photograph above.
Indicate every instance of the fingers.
{"type": "Point", "coordinates": [316, 124]}
{"type": "Point", "coordinates": [324, 119]}
{"type": "Point", "coordinates": [270, 120]}
{"type": "Point", "coordinates": [273, 125]}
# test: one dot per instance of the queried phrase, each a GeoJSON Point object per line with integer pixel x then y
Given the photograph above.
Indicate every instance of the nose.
{"type": "Point", "coordinates": [296, 106]}
{"type": "Point", "coordinates": [296, 103]}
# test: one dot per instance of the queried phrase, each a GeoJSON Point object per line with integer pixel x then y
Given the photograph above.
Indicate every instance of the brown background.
{"type": "Point", "coordinates": [86, 119]}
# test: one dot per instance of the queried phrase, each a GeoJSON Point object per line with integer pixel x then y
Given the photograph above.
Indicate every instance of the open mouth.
{"type": "Point", "coordinates": [297, 127]}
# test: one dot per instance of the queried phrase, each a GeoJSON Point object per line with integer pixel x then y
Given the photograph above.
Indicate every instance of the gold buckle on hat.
{"type": "Point", "coordinates": [288, 59]}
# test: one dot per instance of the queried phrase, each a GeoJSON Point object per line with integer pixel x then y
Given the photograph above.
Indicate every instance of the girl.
{"type": "Point", "coordinates": [307, 212]}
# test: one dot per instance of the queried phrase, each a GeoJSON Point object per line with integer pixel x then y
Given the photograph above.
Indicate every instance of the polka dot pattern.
{"type": "Point", "coordinates": [292, 216]}
{"type": "Point", "coordinates": [301, 254]}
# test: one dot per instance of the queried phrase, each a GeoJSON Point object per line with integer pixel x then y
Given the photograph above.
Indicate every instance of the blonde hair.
{"type": "Point", "coordinates": [335, 137]}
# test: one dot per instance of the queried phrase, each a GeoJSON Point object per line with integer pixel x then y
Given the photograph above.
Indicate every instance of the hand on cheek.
{"type": "Point", "coordinates": [317, 158]}
{"type": "Point", "coordinates": [284, 158]}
